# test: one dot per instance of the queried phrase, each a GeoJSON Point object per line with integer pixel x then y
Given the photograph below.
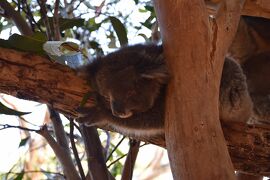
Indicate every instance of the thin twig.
{"type": "Point", "coordinates": [29, 13]}
{"type": "Point", "coordinates": [108, 143]}
{"type": "Point", "coordinates": [117, 145]}
{"type": "Point", "coordinates": [122, 157]}
{"type": "Point", "coordinates": [56, 26]}
{"type": "Point", "coordinates": [116, 160]}
{"type": "Point", "coordinates": [75, 152]}
{"type": "Point", "coordinates": [36, 171]}
{"type": "Point", "coordinates": [25, 5]}
{"type": "Point", "coordinates": [43, 12]}
{"type": "Point", "coordinates": [7, 126]}
{"type": "Point", "coordinates": [16, 17]}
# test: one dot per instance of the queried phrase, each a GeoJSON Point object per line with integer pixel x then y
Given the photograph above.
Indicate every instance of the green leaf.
{"type": "Point", "coordinates": [5, 43]}
{"type": "Point", "coordinates": [149, 8]}
{"type": "Point", "coordinates": [70, 23]}
{"type": "Point", "coordinates": [8, 111]}
{"type": "Point", "coordinates": [24, 141]}
{"type": "Point", "coordinates": [1, 27]}
{"type": "Point", "coordinates": [120, 30]}
{"type": "Point", "coordinates": [94, 44]}
{"type": "Point", "coordinates": [19, 176]}
{"type": "Point", "coordinates": [142, 10]}
{"type": "Point", "coordinates": [65, 23]}
{"type": "Point", "coordinates": [136, 1]}
{"type": "Point", "coordinates": [85, 98]}
{"type": "Point", "coordinates": [28, 43]}
{"type": "Point", "coordinates": [39, 36]}
{"type": "Point", "coordinates": [149, 22]}
{"type": "Point", "coordinates": [92, 25]}
{"type": "Point", "coordinates": [144, 36]}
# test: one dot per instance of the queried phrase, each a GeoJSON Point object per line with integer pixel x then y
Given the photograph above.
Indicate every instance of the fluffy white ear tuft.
{"type": "Point", "coordinates": [161, 75]}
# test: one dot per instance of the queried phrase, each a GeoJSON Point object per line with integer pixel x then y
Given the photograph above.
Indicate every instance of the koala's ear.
{"type": "Point", "coordinates": [88, 71]}
{"type": "Point", "coordinates": [160, 75]}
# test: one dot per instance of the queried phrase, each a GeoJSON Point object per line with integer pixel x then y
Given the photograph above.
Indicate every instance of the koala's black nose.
{"type": "Point", "coordinates": [117, 108]}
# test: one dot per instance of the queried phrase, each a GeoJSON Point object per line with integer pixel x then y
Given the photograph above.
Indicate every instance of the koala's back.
{"type": "Point", "coordinates": [235, 102]}
{"type": "Point", "coordinates": [257, 70]}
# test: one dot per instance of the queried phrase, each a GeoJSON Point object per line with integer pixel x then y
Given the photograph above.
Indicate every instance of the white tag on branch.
{"type": "Point", "coordinates": [66, 53]}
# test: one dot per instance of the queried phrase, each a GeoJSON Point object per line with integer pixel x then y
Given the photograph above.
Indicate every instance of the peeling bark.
{"type": "Point", "coordinates": [36, 78]}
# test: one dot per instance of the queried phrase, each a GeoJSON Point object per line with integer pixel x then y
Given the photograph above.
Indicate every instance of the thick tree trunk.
{"type": "Point", "coordinates": [195, 48]}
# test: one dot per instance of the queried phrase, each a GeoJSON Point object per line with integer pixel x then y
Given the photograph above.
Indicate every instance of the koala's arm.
{"type": "Point", "coordinates": [235, 102]}
{"type": "Point", "coordinates": [149, 123]}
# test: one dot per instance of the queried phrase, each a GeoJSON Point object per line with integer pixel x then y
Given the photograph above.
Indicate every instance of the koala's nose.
{"type": "Point", "coordinates": [117, 108]}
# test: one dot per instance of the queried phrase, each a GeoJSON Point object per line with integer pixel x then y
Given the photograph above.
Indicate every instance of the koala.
{"type": "Point", "coordinates": [129, 91]}
{"type": "Point", "coordinates": [257, 70]}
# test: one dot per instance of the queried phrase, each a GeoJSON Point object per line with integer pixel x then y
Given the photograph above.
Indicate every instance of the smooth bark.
{"type": "Point", "coordinates": [195, 47]}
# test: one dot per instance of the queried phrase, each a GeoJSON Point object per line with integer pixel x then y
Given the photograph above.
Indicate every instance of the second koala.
{"type": "Point", "coordinates": [130, 84]}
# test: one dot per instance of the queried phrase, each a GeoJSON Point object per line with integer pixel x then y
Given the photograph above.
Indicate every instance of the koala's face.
{"type": "Point", "coordinates": [128, 91]}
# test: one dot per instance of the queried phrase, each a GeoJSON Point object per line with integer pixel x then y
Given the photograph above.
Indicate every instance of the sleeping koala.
{"type": "Point", "coordinates": [130, 84]}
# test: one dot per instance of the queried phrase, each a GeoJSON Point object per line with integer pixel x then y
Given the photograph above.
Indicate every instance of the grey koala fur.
{"type": "Point", "coordinates": [130, 88]}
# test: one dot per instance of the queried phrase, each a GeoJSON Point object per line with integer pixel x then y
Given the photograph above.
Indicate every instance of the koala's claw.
{"type": "Point", "coordinates": [92, 116]}
{"type": "Point", "coordinates": [84, 111]}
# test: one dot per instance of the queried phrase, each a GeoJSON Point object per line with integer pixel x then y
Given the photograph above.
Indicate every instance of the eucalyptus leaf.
{"type": "Point", "coordinates": [19, 176]}
{"type": "Point", "coordinates": [70, 23]}
{"type": "Point", "coordinates": [28, 43]}
{"type": "Point", "coordinates": [7, 111]}
{"type": "Point", "coordinates": [120, 30]}
{"type": "Point", "coordinates": [65, 23]}
{"type": "Point", "coordinates": [5, 43]}
{"type": "Point", "coordinates": [149, 8]}
{"type": "Point", "coordinates": [24, 141]}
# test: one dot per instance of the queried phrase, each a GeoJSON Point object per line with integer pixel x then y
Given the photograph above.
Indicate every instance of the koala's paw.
{"type": "Point", "coordinates": [92, 116]}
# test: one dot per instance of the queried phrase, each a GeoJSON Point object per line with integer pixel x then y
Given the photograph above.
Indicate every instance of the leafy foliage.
{"type": "Point", "coordinates": [5, 110]}
{"type": "Point", "coordinates": [98, 28]}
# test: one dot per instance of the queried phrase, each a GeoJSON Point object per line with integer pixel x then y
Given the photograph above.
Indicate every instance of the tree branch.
{"type": "Point", "coordinates": [56, 27]}
{"type": "Point", "coordinates": [16, 17]}
{"type": "Point", "coordinates": [95, 157]}
{"type": "Point", "coordinates": [7, 126]}
{"type": "Point", "coordinates": [43, 12]}
{"type": "Point", "coordinates": [75, 152]}
{"type": "Point", "coordinates": [36, 78]}
{"type": "Point", "coordinates": [127, 172]}
{"type": "Point", "coordinates": [33, 77]}
{"type": "Point", "coordinates": [61, 154]}
{"type": "Point", "coordinates": [259, 8]}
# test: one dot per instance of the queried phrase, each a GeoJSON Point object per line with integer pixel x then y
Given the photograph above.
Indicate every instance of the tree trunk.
{"type": "Point", "coordinates": [194, 53]}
